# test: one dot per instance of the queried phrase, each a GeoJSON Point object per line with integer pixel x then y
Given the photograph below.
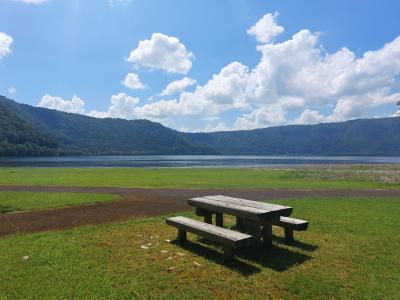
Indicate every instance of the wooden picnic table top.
{"type": "Point", "coordinates": [246, 209]}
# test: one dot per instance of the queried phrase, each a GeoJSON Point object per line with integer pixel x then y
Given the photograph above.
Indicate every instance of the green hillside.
{"type": "Point", "coordinates": [28, 130]}
{"type": "Point", "coordinates": [78, 134]}
{"type": "Point", "coordinates": [373, 137]}
{"type": "Point", "coordinates": [18, 137]}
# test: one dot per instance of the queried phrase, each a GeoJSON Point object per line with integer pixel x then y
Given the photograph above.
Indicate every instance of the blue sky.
{"type": "Point", "coordinates": [302, 61]}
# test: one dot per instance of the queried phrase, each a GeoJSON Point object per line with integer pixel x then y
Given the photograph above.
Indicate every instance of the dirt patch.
{"type": "Point", "coordinates": [139, 203]}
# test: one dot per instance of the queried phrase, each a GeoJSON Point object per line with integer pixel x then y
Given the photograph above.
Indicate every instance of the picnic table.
{"type": "Point", "coordinates": [254, 221]}
{"type": "Point", "coordinates": [253, 217]}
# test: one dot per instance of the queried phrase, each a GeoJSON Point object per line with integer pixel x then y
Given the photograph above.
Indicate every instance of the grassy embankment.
{"type": "Point", "coordinates": [16, 201]}
{"type": "Point", "coordinates": [197, 178]}
{"type": "Point", "coordinates": [350, 251]}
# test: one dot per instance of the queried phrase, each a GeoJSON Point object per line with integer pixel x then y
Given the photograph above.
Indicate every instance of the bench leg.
{"type": "Point", "coordinates": [289, 235]}
{"type": "Point", "coordinates": [181, 235]}
{"type": "Point", "coordinates": [239, 223]}
{"type": "Point", "coordinates": [219, 220]}
{"type": "Point", "coordinates": [267, 235]}
{"type": "Point", "coordinates": [228, 252]}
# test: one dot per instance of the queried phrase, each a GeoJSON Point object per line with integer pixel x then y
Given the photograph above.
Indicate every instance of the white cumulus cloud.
{"type": "Point", "coordinates": [266, 28]}
{"type": "Point", "coordinates": [5, 44]}
{"type": "Point", "coordinates": [74, 105]}
{"type": "Point", "coordinates": [295, 76]}
{"type": "Point", "coordinates": [133, 82]}
{"type": "Point", "coordinates": [310, 117]}
{"type": "Point", "coordinates": [122, 107]}
{"type": "Point", "coordinates": [163, 52]}
{"type": "Point", "coordinates": [177, 86]}
{"type": "Point", "coordinates": [295, 81]}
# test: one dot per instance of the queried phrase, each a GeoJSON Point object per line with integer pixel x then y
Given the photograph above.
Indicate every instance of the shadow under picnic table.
{"type": "Point", "coordinates": [276, 258]}
{"type": "Point", "coordinates": [213, 255]}
{"type": "Point", "coordinates": [296, 243]}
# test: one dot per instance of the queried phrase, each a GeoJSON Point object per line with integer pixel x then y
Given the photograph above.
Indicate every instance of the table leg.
{"type": "Point", "coordinates": [267, 235]}
{"type": "Point", "coordinates": [219, 219]}
{"type": "Point", "coordinates": [252, 228]}
{"type": "Point", "coordinates": [208, 218]}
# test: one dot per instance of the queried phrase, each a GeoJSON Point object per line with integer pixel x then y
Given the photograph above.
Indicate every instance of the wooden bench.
{"type": "Point", "coordinates": [291, 224]}
{"type": "Point", "coordinates": [230, 239]}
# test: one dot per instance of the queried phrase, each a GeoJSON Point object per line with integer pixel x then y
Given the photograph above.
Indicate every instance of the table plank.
{"type": "Point", "coordinates": [247, 212]}
{"type": "Point", "coordinates": [280, 209]}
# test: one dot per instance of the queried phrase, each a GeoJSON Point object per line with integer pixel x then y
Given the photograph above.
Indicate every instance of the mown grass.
{"type": "Point", "coordinates": [181, 178]}
{"type": "Point", "coordinates": [16, 201]}
{"type": "Point", "coordinates": [350, 251]}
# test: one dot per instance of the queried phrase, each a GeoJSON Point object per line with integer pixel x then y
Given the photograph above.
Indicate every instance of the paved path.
{"type": "Point", "coordinates": [142, 202]}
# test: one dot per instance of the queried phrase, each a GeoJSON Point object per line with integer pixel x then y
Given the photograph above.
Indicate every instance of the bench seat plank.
{"type": "Point", "coordinates": [282, 210]}
{"type": "Point", "coordinates": [220, 235]}
{"type": "Point", "coordinates": [246, 212]}
{"type": "Point", "coordinates": [291, 223]}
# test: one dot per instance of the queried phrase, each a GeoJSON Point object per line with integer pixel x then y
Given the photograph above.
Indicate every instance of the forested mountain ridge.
{"type": "Point", "coordinates": [364, 137]}
{"type": "Point", "coordinates": [28, 130]}
{"type": "Point", "coordinates": [78, 134]}
{"type": "Point", "coordinates": [18, 137]}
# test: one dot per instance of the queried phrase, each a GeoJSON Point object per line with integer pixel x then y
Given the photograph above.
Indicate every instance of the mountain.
{"type": "Point", "coordinates": [78, 134]}
{"type": "Point", "coordinates": [18, 137]}
{"type": "Point", "coordinates": [28, 130]}
{"type": "Point", "coordinates": [373, 137]}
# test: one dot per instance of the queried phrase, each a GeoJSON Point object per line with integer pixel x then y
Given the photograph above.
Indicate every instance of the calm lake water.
{"type": "Point", "coordinates": [189, 161]}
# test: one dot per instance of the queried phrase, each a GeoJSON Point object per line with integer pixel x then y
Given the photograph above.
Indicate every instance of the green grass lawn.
{"type": "Point", "coordinates": [14, 201]}
{"type": "Point", "coordinates": [188, 178]}
{"type": "Point", "coordinates": [351, 250]}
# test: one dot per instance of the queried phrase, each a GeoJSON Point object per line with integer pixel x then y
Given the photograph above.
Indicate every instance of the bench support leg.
{"type": "Point", "coordinates": [288, 235]}
{"type": "Point", "coordinates": [208, 218]}
{"type": "Point", "coordinates": [228, 252]}
{"type": "Point", "coordinates": [181, 235]}
{"type": "Point", "coordinates": [219, 220]}
{"type": "Point", "coordinates": [239, 223]}
{"type": "Point", "coordinates": [267, 235]}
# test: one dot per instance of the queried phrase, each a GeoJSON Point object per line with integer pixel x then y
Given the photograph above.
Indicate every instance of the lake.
{"type": "Point", "coordinates": [190, 161]}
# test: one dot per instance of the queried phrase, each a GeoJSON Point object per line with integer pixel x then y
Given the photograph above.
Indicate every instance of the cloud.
{"type": "Point", "coordinates": [266, 28]}
{"type": "Point", "coordinates": [122, 106]}
{"type": "Point", "coordinates": [133, 82]}
{"type": "Point", "coordinates": [11, 90]}
{"type": "Point", "coordinates": [270, 115]}
{"type": "Point", "coordinates": [295, 75]}
{"type": "Point", "coordinates": [162, 52]}
{"type": "Point", "coordinates": [310, 117]}
{"type": "Point", "coordinates": [31, 1]}
{"type": "Point", "coordinates": [220, 126]}
{"type": "Point", "coordinates": [295, 81]}
{"type": "Point", "coordinates": [75, 105]}
{"type": "Point", "coordinates": [177, 86]}
{"type": "Point", "coordinates": [5, 44]}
